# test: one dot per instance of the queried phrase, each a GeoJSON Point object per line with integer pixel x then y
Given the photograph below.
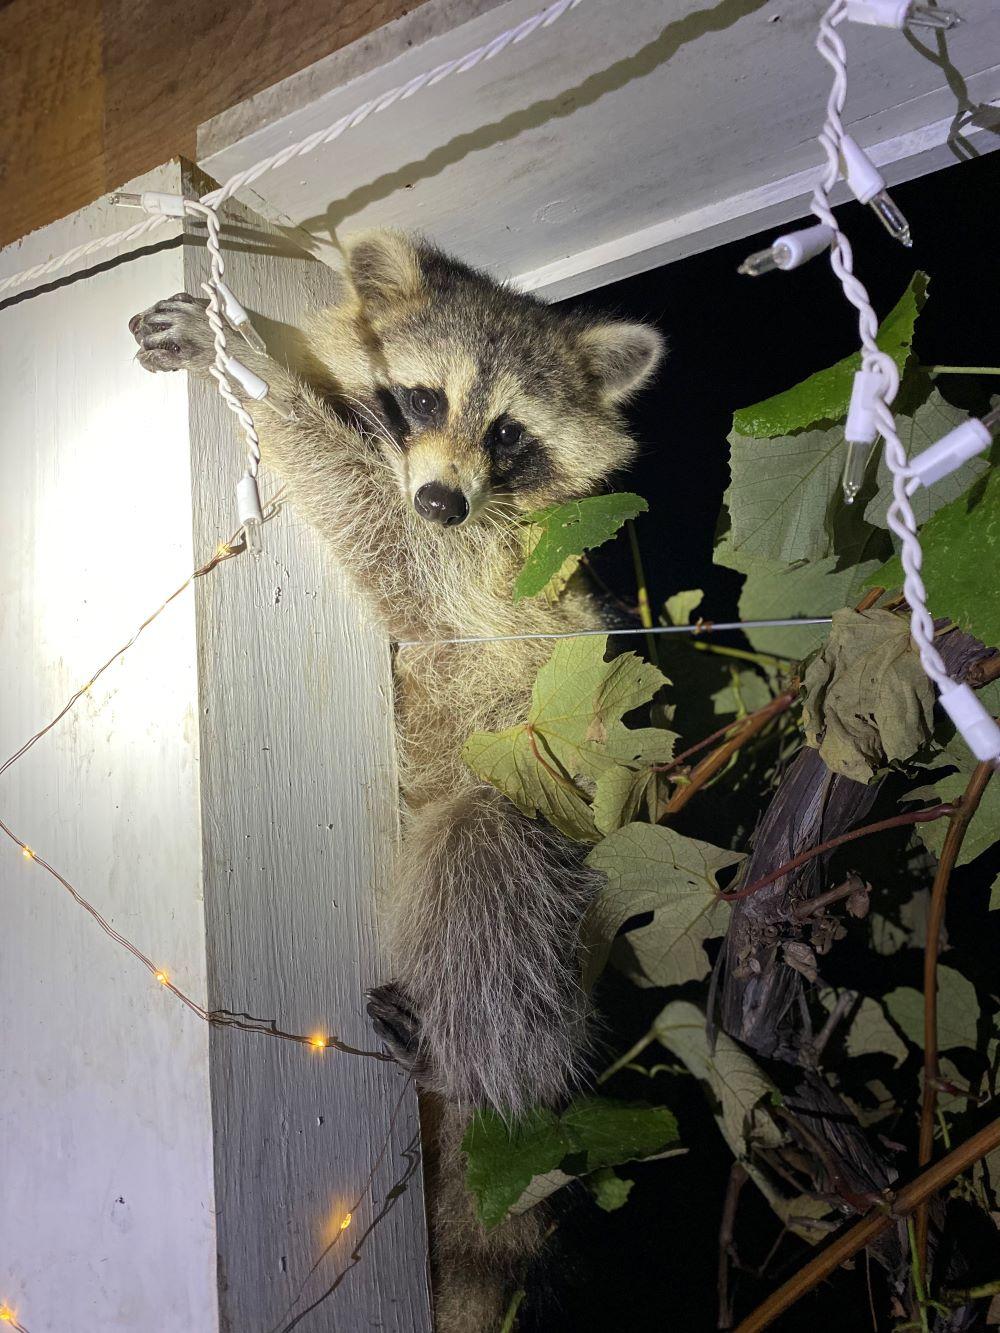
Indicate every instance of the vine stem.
{"type": "Point", "coordinates": [955, 836]}
{"type": "Point", "coordinates": [872, 1225]}
{"type": "Point", "coordinates": [712, 763]}
{"type": "Point", "coordinates": [642, 592]}
{"type": "Point", "coordinates": [880, 826]}
{"type": "Point", "coordinates": [962, 370]}
{"type": "Point", "coordinates": [788, 696]}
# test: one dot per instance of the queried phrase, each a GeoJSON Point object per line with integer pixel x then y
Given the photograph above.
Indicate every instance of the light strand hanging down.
{"type": "Point", "coordinates": [214, 1017]}
{"type": "Point", "coordinates": [877, 382]}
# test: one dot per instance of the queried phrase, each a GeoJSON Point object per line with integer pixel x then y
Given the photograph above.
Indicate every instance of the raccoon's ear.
{"type": "Point", "coordinates": [384, 267]}
{"type": "Point", "coordinates": [621, 355]}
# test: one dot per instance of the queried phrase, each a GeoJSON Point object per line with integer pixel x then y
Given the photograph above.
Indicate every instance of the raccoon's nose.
{"type": "Point", "coordinates": [441, 504]}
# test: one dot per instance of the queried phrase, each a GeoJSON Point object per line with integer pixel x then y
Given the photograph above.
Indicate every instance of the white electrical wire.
{"type": "Point", "coordinates": [215, 198]}
{"type": "Point", "coordinates": [900, 517]}
{"type": "Point", "coordinates": [207, 208]}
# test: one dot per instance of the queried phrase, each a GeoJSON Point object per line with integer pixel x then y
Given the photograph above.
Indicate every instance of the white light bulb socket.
{"type": "Point", "coordinates": [861, 426]}
{"type": "Point", "coordinates": [950, 452]}
{"type": "Point", "coordinates": [169, 205]}
{"type": "Point", "coordinates": [797, 247]}
{"type": "Point", "coordinates": [979, 731]}
{"type": "Point", "coordinates": [234, 310]}
{"type": "Point", "coordinates": [881, 13]}
{"type": "Point", "coordinates": [252, 385]}
{"type": "Point", "coordinates": [863, 178]}
{"type": "Point", "coordinates": [248, 500]}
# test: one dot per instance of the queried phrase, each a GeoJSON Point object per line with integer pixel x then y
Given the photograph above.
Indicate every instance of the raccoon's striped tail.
{"type": "Point", "coordinates": [475, 1272]}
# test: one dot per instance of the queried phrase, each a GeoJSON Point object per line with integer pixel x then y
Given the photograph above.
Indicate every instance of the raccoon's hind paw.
{"type": "Point", "coordinates": [174, 335]}
{"type": "Point", "coordinates": [395, 1023]}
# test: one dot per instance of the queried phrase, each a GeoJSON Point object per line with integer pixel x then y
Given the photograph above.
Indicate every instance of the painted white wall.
{"type": "Point", "coordinates": [105, 1124]}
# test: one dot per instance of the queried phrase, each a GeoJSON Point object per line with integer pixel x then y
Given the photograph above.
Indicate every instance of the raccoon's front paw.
{"type": "Point", "coordinates": [396, 1024]}
{"type": "Point", "coordinates": [174, 335]}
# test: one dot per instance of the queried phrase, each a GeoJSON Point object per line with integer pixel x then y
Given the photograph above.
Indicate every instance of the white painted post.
{"type": "Point", "coordinates": [226, 795]}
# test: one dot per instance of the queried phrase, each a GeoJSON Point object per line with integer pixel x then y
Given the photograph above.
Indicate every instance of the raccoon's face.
{"type": "Point", "coordinates": [490, 396]}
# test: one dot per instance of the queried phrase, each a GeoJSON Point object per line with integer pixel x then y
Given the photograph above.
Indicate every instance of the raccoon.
{"type": "Point", "coordinates": [433, 409]}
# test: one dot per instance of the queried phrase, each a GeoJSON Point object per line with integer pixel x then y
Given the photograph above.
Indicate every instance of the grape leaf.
{"type": "Point", "coordinates": [513, 1166]}
{"type": "Point", "coordinates": [609, 1189]}
{"type": "Point", "coordinates": [654, 869]}
{"type": "Point", "coordinates": [961, 545]}
{"type": "Point", "coordinates": [574, 730]}
{"type": "Point", "coordinates": [869, 1032]}
{"type": "Point", "coordinates": [775, 591]}
{"type": "Point", "coordinates": [563, 530]}
{"type": "Point", "coordinates": [680, 606]}
{"type": "Point", "coordinates": [740, 1093]}
{"type": "Point", "coordinates": [867, 699]}
{"type": "Point", "coordinates": [958, 1010]}
{"type": "Point", "coordinates": [826, 395]}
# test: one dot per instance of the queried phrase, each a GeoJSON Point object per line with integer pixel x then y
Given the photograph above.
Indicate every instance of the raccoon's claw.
{"type": "Point", "coordinates": [395, 1023]}
{"type": "Point", "coordinates": [173, 335]}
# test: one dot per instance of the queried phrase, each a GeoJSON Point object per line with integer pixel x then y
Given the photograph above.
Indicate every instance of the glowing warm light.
{"type": "Point", "coordinates": [318, 1043]}
{"type": "Point", "coordinates": [222, 549]}
{"type": "Point", "coordinates": [162, 978]}
{"type": "Point", "coordinates": [7, 1314]}
{"type": "Point", "coordinates": [346, 1222]}
{"type": "Point", "coordinates": [28, 855]}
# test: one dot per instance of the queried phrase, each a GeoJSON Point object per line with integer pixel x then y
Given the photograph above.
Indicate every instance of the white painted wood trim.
{"type": "Point", "coordinates": [622, 138]}
{"type": "Point", "coordinates": [227, 795]}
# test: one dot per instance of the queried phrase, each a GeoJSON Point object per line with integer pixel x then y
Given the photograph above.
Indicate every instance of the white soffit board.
{"type": "Point", "coordinates": [623, 137]}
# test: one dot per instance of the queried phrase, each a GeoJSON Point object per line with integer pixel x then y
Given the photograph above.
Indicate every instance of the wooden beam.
{"type": "Point", "coordinates": [98, 91]}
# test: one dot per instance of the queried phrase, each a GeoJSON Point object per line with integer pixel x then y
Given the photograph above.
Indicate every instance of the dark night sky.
{"type": "Point", "coordinates": [735, 340]}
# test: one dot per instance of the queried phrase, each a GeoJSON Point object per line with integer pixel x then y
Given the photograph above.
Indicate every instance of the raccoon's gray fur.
{"type": "Point", "coordinates": [437, 407]}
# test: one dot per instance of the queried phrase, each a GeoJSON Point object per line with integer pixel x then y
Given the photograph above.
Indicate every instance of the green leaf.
{"type": "Point", "coordinates": [961, 545]}
{"type": "Point", "coordinates": [826, 395]}
{"type": "Point", "coordinates": [680, 606]}
{"type": "Point", "coordinates": [654, 869]}
{"type": "Point", "coordinates": [869, 1031]}
{"type": "Point", "coordinates": [741, 1091]}
{"type": "Point", "coordinates": [746, 692]}
{"type": "Point", "coordinates": [512, 1167]}
{"type": "Point", "coordinates": [957, 1016]}
{"type": "Point", "coordinates": [931, 421]}
{"type": "Point", "coordinates": [610, 1191]}
{"type": "Point", "coordinates": [867, 699]}
{"type": "Point", "coordinates": [574, 730]}
{"type": "Point", "coordinates": [741, 1095]}
{"type": "Point", "coordinates": [570, 529]}
{"type": "Point", "coordinates": [775, 591]}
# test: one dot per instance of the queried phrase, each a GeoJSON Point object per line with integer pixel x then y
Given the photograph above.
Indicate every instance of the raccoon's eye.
{"type": "Point", "coordinates": [422, 403]}
{"type": "Point", "coordinates": [507, 433]}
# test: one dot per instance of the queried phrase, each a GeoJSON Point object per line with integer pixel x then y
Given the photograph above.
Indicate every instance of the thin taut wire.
{"type": "Point", "coordinates": [702, 627]}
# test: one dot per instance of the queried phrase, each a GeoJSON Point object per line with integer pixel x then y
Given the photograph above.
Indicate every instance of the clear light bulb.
{"type": "Point", "coordinates": [929, 16]}
{"type": "Point", "coordinates": [888, 213]}
{"type": "Point", "coordinates": [776, 256]}
{"type": "Point", "coordinates": [855, 467]}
